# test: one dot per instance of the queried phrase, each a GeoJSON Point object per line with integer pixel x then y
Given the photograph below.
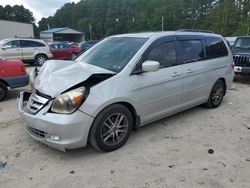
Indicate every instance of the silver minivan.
{"type": "Point", "coordinates": [122, 83]}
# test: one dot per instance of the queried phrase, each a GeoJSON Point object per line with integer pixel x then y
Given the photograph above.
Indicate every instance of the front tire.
{"type": "Point", "coordinates": [217, 94]}
{"type": "Point", "coordinates": [40, 59]}
{"type": "Point", "coordinates": [3, 91]}
{"type": "Point", "coordinates": [111, 128]}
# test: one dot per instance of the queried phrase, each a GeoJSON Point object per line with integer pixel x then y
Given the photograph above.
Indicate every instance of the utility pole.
{"type": "Point", "coordinates": [162, 23]}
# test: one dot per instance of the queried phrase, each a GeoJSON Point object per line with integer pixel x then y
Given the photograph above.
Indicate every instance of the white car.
{"type": "Point", "coordinates": [122, 83]}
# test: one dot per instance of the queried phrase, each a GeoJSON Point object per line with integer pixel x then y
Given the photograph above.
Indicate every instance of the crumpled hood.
{"type": "Point", "coordinates": [57, 76]}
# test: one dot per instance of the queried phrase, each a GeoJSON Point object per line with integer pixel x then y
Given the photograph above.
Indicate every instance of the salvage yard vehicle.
{"type": "Point", "coordinates": [12, 74]}
{"type": "Point", "coordinates": [241, 55]}
{"type": "Point", "coordinates": [87, 44]}
{"type": "Point", "coordinates": [64, 51]}
{"type": "Point", "coordinates": [122, 83]}
{"type": "Point", "coordinates": [27, 50]}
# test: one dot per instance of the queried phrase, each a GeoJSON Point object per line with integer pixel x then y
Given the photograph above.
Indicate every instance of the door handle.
{"type": "Point", "coordinates": [189, 71]}
{"type": "Point", "coordinates": [175, 74]}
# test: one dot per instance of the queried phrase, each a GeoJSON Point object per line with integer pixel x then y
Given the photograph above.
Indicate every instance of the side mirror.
{"type": "Point", "coordinates": [150, 66]}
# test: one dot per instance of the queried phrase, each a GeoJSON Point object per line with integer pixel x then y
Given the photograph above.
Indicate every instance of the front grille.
{"type": "Point", "coordinates": [240, 60]}
{"type": "Point", "coordinates": [37, 132]}
{"type": "Point", "coordinates": [35, 103]}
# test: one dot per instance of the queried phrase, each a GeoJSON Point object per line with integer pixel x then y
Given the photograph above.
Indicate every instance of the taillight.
{"type": "Point", "coordinates": [23, 69]}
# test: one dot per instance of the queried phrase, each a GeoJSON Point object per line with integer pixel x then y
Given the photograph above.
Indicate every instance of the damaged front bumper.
{"type": "Point", "coordinates": [60, 131]}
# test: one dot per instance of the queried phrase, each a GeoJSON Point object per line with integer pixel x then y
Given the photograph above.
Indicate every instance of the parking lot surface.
{"type": "Point", "coordinates": [196, 148]}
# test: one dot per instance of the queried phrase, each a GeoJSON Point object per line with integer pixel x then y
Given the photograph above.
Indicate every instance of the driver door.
{"type": "Point", "coordinates": [160, 91]}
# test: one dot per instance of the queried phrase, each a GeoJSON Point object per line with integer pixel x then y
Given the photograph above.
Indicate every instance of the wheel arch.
{"type": "Point", "coordinates": [136, 117]}
{"type": "Point", "coordinates": [129, 106]}
{"type": "Point", "coordinates": [225, 83]}
{"type": "Point", "coordinates": [4, 82]}
{"type": "Point", "coordinates": [41, 54]}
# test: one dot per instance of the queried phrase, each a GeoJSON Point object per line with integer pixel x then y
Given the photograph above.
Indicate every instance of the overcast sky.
{"type": "Point", "coordinates": [40, 8]}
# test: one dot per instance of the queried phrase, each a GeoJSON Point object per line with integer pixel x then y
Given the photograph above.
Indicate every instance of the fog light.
{"type": "Point", "coordinates": [54, 138]}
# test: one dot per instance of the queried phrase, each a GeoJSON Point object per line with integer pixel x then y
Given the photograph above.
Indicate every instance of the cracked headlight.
{"type": "Point", "coordinates": [68, 102]}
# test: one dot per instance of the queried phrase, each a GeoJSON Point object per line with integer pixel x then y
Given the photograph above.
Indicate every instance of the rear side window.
{"type": "Point", "coordinates": [215, 47]}
{"type": "Point", "coordinates": [191, 50]}
{"type": "Point", "coordinates": [28, 44]}
{"type": "Point", "coordinates": [165, 54]}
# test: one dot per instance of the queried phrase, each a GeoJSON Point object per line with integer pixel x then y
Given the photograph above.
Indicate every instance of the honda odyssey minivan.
{"type": "Point", "coordinates": [122, 83]}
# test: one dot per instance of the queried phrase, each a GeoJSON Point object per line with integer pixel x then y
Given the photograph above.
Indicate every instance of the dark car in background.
{"type": "Point", "coordinates": [64, 51]}
{"type": "Point", "coordinates": [12, 75]}
{"type": "Point", "coordinates": [241, 55]}
{"type": "Point", "coordinates": [87, 44]}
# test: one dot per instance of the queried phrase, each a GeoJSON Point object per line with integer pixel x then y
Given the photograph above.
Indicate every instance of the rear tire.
{"type": "Point", "coordinates": [40, 59]}
{"type": "Point", "coordinates": [111, 128]}
{"type": "Point", "coordinates": [217, 94]}
{"type": "Point", "coordinates": [3, 91]}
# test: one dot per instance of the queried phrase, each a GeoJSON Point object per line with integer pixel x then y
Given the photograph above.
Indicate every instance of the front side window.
{"type": "Point", "coordinates": [164, 53]}
{"type": "Point", "coordinates": [113, 53]}
{"type": "Point", "coordinates": [215, 47]}
{"type": "Point", "coordinates": [12, 44]}
{"type": "Point", "coordinates": [191, 50]}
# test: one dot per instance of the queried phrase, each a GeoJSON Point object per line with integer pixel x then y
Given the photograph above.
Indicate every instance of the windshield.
{"type": "Point", "coordinates": [3, 41]}
{"type": "Point", "coordinates": [113, 53]}
{"type": "Point", "coordinates": [242, 43]}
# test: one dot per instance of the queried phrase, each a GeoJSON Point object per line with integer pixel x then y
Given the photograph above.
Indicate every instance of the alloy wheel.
{"type": "Point", "coordinates": [217, 94]}
{"type": "Point", "coordinates": [114, 129]}
{"type": "Point", "coordinates": [41, 60]}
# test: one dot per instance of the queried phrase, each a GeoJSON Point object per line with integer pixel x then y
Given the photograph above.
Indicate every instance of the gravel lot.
{"type": "Point", "coordinates": [172, 152]}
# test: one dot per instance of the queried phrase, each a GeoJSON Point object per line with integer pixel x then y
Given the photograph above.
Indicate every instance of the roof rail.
{"type": "Point", "coordinates": [195, 30]}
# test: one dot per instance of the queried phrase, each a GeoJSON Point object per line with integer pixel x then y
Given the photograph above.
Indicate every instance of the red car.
{"type": "Point", "coordinates": [64, 51]}
{"type": "Point", "coordinates": [12, 75]}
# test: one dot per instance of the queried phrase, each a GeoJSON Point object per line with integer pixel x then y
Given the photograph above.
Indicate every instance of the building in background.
{"type": "Point", "coordinates": [62, 34]}
{"type": "Point", "coordinates": [11, 29]}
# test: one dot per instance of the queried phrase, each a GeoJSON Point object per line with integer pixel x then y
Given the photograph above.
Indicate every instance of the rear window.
{"type": "Point", "coordinates": [215, 47]}
{"type": "Point", "coordinates": [191, 50]}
